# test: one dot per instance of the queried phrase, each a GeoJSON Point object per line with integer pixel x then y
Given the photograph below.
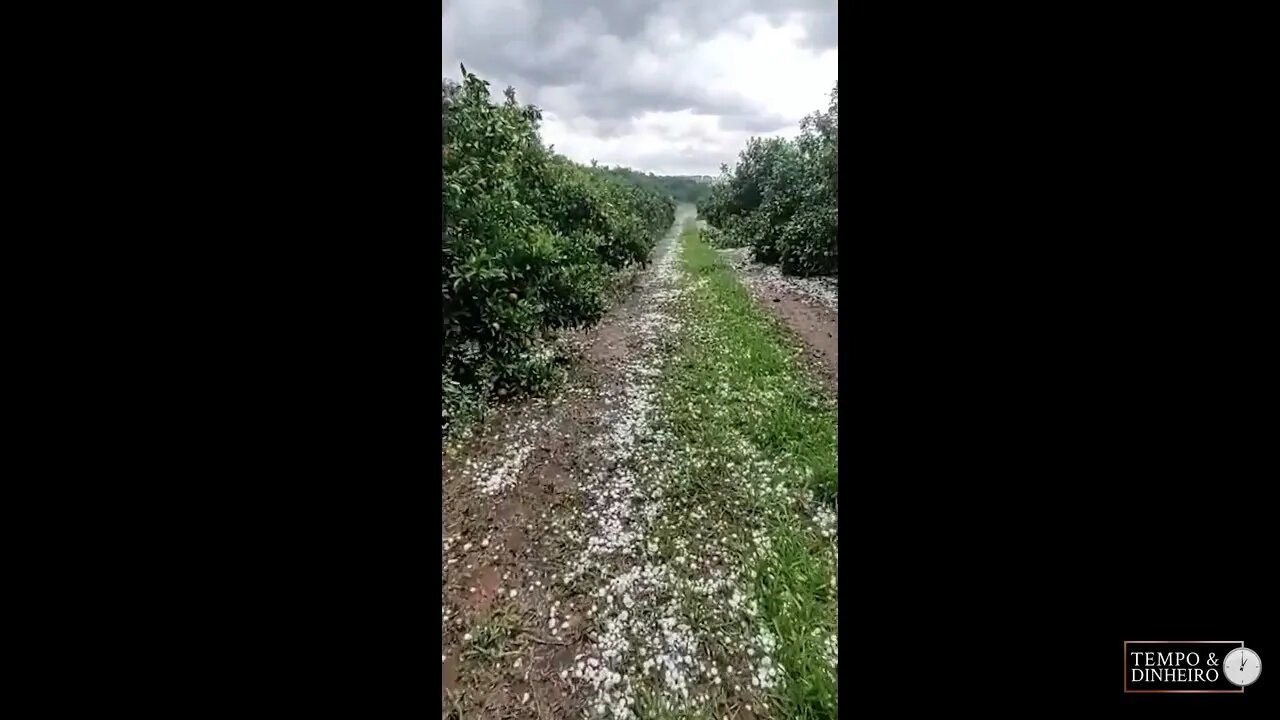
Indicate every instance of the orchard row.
{"type": "Point", "coordinates": [781, 199]}
{"type": "Point", "coordinates": [531, 243]}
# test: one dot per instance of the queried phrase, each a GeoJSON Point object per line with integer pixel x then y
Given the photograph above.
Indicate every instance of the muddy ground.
{"type": "Point", "coordinates": [808, 306]}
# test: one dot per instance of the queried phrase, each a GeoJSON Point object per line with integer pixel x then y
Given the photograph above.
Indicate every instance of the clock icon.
{"type": "Point", "coordinates": [1241, 666]}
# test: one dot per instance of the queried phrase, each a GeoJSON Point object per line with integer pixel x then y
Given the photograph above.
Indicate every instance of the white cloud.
{"type": "Point", "coordinates": [665, 143]}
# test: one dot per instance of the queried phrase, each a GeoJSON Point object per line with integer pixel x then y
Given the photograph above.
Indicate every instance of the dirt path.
{"type": "Point", "coordinates": [809, 306]}
{"type": "Point", "coordinates": [537, 510]}
{"type": "Point", "coordinates": [602, 561]}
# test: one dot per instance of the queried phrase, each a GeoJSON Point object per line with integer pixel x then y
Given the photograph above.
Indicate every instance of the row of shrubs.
{"type": "Point", "coordinates": [781, 199]}
{"type": "Point", "coordinates": [531, 242]}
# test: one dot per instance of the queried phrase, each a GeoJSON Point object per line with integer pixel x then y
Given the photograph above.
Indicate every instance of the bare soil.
{"type": "Point", "coordinates": [807, 307]}
{"type": "Point", "coordinates": [817, 326]}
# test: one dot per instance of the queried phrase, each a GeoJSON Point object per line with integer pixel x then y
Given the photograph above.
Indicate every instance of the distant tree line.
{"type": "Point", "coordinates": [681, 188]}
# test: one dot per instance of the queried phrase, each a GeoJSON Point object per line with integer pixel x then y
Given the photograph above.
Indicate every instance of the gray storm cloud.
{"type": "Point", "coordinates": [613, 62]}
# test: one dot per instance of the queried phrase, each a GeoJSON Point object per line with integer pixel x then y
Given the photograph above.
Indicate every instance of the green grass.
{"type": "Point", "coordinates": [762, 450]}
{"type": "Point", "coordinates": [798, 421]}
{"type": "Point", "coordinates": [490, 638]}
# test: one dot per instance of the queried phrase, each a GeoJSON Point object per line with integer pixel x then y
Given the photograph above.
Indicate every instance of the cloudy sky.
{"type": "Point", "coordinates": [673, 88]}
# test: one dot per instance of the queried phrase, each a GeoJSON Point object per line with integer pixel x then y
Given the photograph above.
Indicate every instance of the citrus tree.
{"type": "Point", "coordinates": [530, 242]}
